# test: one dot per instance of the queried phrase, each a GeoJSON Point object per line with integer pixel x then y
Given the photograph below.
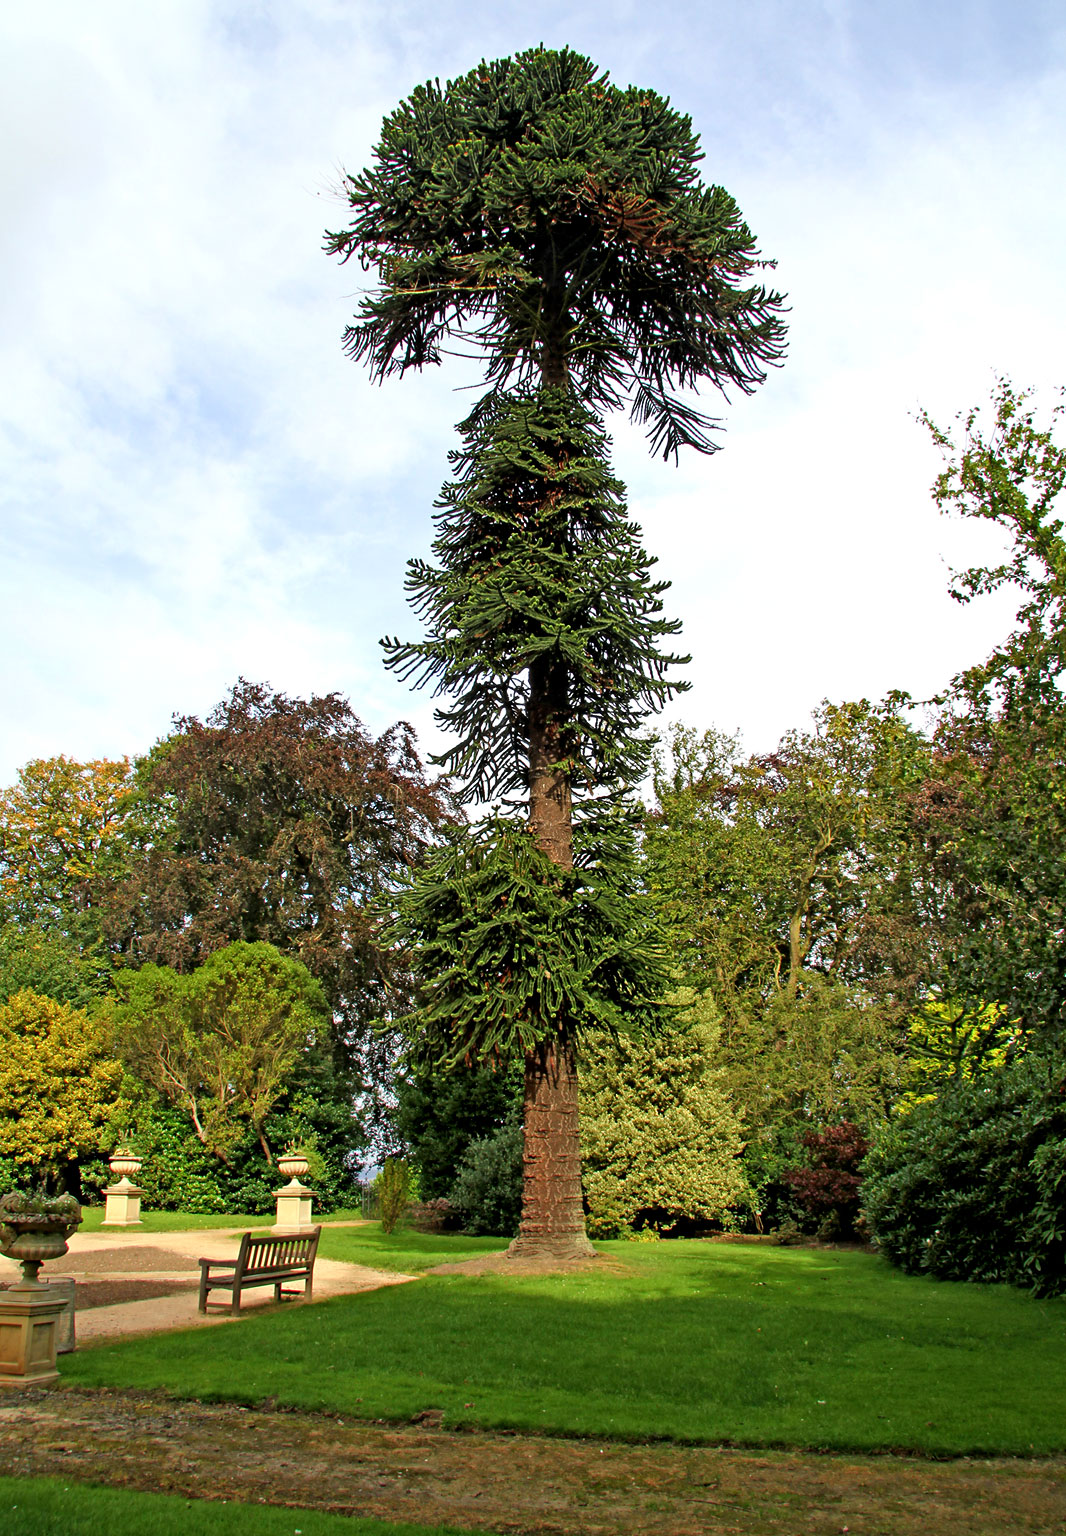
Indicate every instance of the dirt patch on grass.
{"type": "Point", "coordinates": [105, 1261]}
{"type": "Point", "coordinates": [110, 1293]}
{"type": "Point", "coordinates": [513, 1483]}
{"type": "Point", "coordinates": [506, 1264]}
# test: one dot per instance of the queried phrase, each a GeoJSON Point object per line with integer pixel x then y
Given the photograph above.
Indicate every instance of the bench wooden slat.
{"type": "Point", "coordinates": [262, 1259]}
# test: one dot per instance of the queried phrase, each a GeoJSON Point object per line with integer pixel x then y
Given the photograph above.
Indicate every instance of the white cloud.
{"type": "Point", "coordinates": [200, 485]}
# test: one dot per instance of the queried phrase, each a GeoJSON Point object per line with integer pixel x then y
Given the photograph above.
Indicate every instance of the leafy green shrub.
{"type": "Point", "coordinates": [177, 1172]}
{"type": "Point", "coordinates": [439, 1112]}
{"type": "Point", "coordinates": [50, 964]}
{"type": "Point", "coordinates": [59, 1082]}
{"type": "Point", "coordinates": [972, 1186]}
{"type": "Point", "coordinates": [393, 1186]}
{"type": "Point", "coordinates": [488, 1191]}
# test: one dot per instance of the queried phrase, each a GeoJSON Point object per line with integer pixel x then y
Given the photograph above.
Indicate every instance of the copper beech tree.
{"type": "Point", "coordinates": [536, 214]}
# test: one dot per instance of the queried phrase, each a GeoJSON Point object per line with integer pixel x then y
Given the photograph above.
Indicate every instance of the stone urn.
{"type": "Point", "coordinates": [36, 1230]}
{"type": "Point", "coordinates": [123, 1164]}
{"type": "Point", "coordinates": [122, 1207]}
{"type": "Point", "coordinates": [293, 1199]}
{"type": "Point", "coordinates": [34, 1317]}
{"type": "Point", "coordinates": [292, 1165]}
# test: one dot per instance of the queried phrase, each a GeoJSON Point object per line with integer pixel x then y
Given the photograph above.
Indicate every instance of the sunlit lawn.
{"type": "Point", "coordinates": [46, 1506]}
{"type": "Point", "coordinates": [684, 1340]}
{"type": "Point", "coordinates": [405, 1250]}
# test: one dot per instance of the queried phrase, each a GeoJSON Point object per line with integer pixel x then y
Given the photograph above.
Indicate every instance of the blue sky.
{"type": "Point", "coordinates": [197, 485]}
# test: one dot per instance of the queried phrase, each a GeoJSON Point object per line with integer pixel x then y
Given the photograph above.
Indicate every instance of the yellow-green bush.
{"type": "Point", "coordinates": [59, 1084]}
{"type": "Point", "coordinates": [660, 1138]}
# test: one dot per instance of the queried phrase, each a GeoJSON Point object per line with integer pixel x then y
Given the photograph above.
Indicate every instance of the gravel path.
{"type": "Point", "coordinates": [129, 1282]}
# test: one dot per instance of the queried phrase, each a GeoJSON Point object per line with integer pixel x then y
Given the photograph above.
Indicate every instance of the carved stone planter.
{"type": "Point", "coordinates": [33, 1239]}
{"type": "Point", "coordinates": [33, 1314]}
{"type": "Point", "coordinates": [294, 1200]}
{"type": "Point", "coordinates": [123, 1200]}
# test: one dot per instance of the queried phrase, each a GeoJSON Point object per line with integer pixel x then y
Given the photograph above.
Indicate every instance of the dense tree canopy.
{"type": "Point", "coordinates": [223, 1043]}
{"type": "Point", "coordinates": [51, 963]}
{"type": "Point", "coordinates": [992, 817]}
{"type": "Point", "coordinates": [283, 821]}
{"type": "Point", "coordinates": [794, 864]}
{"type": "Point", "coordinates": [64, 839]}
{"type": "Point", "coordinates": [557, 223]}
{"type": "Point", "coordinates": [792, 888]}
{"type": "Point", "coordinates": [59, 1086]}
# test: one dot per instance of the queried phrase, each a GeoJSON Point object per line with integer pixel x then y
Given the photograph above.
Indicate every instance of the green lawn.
{"type": "Point", "coordinates": [684, 1340]}
{"type": "Point", "coordinates": [92, 1220]}
{"type": "Point", "coordinates": [403, 1250]}
{"type": "Point", "coordinates": [48, 1506]}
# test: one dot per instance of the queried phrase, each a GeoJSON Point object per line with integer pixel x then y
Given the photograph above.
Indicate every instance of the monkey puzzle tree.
{"type": "Point", "coordinates": [556, 225]}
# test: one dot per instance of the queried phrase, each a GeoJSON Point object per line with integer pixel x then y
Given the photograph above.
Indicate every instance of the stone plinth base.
{"type": "Point", "coordinates": [30, 1324]}
{"type": "Point", "coordinates": [63, 1289]}
{"type": "Point", "coordinates": [294, 1210]}
{"type": "Point", "coordinates": [123, 1207]}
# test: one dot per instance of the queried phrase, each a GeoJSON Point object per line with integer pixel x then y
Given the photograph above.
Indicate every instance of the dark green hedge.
{"type": "Point", "coordinates": [972, 1186]}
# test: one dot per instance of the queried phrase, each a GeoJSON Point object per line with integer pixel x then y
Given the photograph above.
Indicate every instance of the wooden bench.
{"type": "Point", "coordinates": [263, 1259]}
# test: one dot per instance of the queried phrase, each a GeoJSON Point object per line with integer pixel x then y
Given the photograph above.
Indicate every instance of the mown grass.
{"type": "Point", "coordinates": [48, 1506]}
{"type": "Point", "coordinates": [92, 1220]}
{"type": "Point", "coordinates": [683, 1340]}
{"type": "Point", "coordinates": [404, 1250]}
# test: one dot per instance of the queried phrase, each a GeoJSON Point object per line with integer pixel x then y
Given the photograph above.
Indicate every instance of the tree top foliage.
{"type": "Point", "coordinates": [61, 839]}
{"type": "Point", "coordinates": [278, 819]}
{"type": "Point", "coordinates": [1011, 471]}
{"type": "Point", "coordinates": [59, 1082]}
{"type": "Point", "coordinates": [223, 1042]}
{"type": "Point", "coordinates": [557, 223]}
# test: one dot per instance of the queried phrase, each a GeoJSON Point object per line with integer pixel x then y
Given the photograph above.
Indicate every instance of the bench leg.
{"type": "Point", "coordinates": [307, 1289]}
{"type": "Point", "coordinates": [203, 1291]}
{"type": "Point", "coordinates": [277, 1291]}
{"type": "Point", "coordinates": [235, 1304]}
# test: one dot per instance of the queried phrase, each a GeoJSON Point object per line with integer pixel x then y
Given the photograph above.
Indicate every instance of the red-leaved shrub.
{"type": "Point", "coordinates": [828, 1187]}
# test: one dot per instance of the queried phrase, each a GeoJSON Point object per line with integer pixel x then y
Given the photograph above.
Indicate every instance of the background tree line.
{"type": "Point", "coordinates": [202, 929]}
{"type": "Point", "coordinates": [864, 927]}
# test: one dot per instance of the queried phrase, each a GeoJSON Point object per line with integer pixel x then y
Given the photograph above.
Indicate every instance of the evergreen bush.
{"type": "Point", "coordinates": [439, 1113]}
{"type": "Point", "coordinates": [393, 1186]}
{"type": "Point", "coordinates": [972, 1186]}
{"type": "Point", "coordinates": [660, 1137]}
{"type": "Point", "coordinates": [488, 1191]}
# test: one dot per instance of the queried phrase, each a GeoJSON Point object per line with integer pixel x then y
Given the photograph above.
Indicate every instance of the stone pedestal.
{"type": "Point", "coordinates": [294, 1210]}
{"type": "Point", "coordinates": [123, 1206]}
{"type": "Point", "coordinates": [30, 1324]}
{"type": "Point", "coordinates": [64, 1288]}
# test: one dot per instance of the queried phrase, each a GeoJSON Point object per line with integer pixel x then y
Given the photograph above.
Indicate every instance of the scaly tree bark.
{"type": "Point", "coordinates": [557, 224]}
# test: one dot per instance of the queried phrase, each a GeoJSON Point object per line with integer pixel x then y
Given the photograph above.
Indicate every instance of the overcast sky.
{"type": "Point", "coordinates": [197, 484]}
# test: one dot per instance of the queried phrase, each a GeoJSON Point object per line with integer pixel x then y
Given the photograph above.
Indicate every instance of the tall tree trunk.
{"type": "Point", "coordinates": [553, 1221]}
{"type": "Point", "coordinates": [550, 806]}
